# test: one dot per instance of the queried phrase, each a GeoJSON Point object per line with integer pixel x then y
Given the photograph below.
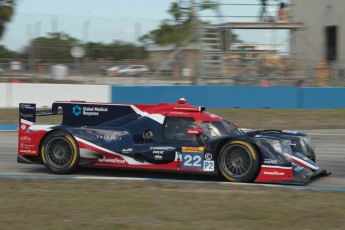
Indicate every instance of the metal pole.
{"type": "Point", "coordinates": [197, 27]}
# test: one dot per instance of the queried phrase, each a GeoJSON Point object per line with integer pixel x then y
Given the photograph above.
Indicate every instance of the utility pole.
{"type": "Point", "coordinates": [31, 48]}
{"type": "Point", "coordinates": [86, 27]}
{"type": "Point", "coordinates": [137, 36]}
{"type": "Point", "coordinates": [197, 30]}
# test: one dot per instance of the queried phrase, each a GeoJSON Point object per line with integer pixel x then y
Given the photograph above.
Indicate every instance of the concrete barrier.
{"type": "Point", "coordinates": [45, 94]}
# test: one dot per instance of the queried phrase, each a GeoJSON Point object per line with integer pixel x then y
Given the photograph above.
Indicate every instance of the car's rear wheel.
{"type": "Point", "coordinates": [59, 152]}
{"type": "Point", "coordinates": [238, 161]}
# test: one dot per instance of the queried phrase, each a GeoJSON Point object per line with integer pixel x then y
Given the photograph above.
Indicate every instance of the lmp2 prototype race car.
{"type": "Point", "coordinates": [164, 137]}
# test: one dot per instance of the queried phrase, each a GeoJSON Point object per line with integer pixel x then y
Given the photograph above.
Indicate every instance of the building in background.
{"type": "Point", "coordinates": [170, 60]}
{"type": "Point", "coordinates": [322, 43]}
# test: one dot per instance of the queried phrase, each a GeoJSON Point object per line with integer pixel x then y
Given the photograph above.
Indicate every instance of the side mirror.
{"type": "Point", "coordinates": [194, 131]}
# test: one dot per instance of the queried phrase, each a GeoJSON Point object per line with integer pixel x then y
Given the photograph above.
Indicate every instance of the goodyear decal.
{"type": "Point", "coordinates": [193, 149]}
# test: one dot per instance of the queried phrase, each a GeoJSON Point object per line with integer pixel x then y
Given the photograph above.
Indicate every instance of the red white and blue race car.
{"type": "Point", "coordinates": [163, 137]}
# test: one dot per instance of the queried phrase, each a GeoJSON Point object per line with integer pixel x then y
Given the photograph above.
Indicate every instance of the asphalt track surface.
{"type": "Point", "coordinates": [330, 148]}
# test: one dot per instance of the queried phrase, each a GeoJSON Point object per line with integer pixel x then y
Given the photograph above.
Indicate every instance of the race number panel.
{"type": "Point", "coordinates": [193, 158]}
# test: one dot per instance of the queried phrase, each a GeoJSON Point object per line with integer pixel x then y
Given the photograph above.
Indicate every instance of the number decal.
{"type": "Point", "coordinates": [188, 159]}
{"type": "Point", "coordinates": [192, 161]}
{"type": "Point", "coordinates": [197, 161]}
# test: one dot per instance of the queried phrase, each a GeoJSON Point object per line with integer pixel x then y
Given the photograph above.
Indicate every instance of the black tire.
{"type": "Point", "coordinates": [60, 152]}
{"type": "Point", "coordinates": [238, 161]}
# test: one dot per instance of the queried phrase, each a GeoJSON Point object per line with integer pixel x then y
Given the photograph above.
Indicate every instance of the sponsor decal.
{"type": "Point", "coordinates": [180, 113]}
{"type": "Point", "coordinates": [109, 139]}
{"type": "Point", "coordinates": [127, 150]}
{"type": "Point", "coordinates": [187, 108]}
{"type": "Point", "coordinates": [164, 148]}
{"type": "Point", "coordinates": [27, 106]}
{"type": "Point", "coordinates": [298, 169]}
{"type": "Point", "coordinates": [274, 173]}
{"type": "Point", "coordinates": [88, 111]}
{"type": "Point", "coordinates": [23, 127]}
{"type": "Point", "coordinates": [76, 110]}
{"type": "Point", "coordinates": [28, 151]}
{"type": "Point", "coordinates": [158, 157]}
{"type": "Point", "coordinates": [26, 146]}
{"type": "Point", "coordinates": [209, 166]}
{"type": "Point", "coordinates": [112, 160]}
{"type": "Point", "coordinates": [270, 162]}
{"type": "Point", "coordinates": [208, 156]}
{"type": "Point", "coordinates": [25, 139]}
{"type": "Point", "coordinates": [158, 152]}
{"type": "Point", "coordinates": [94, 111]}
{"type": "Point", "coordinates": [193, 149]}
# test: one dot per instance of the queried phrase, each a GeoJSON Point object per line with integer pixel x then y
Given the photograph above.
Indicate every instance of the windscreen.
{"type": "Point", "coordinates": [216, 129]}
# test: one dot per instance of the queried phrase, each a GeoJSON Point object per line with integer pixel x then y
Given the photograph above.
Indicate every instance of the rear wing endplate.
{"type": "Point", "coordinates": [27, 111]}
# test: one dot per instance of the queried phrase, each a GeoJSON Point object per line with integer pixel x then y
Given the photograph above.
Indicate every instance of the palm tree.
{"type": "Point", "coordinates": [178, 29]}
{"type": "Point", "coordinates": [175, 11]}
{"type": "Point", "coordinates": [6, 13]}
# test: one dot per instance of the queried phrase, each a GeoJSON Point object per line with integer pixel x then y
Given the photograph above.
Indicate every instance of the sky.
{"type": "Point", "coordinates": [106, 20]}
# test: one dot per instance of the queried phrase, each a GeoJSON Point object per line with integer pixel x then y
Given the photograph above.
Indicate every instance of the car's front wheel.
{"type": "Point", "coordinates": [59, 152]}
{"type": "Point", "coordinates": [238, 161]}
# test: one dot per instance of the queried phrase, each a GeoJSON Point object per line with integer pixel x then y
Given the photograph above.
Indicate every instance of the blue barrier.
{"type": "Point", "coordinates": [211, 96]}
{"type": "Point", "coordinates": [8, 127]}
{"type": "Point", "coordinates": [234, 96]}
{"type": "Point", "coordinates": [323, 98]}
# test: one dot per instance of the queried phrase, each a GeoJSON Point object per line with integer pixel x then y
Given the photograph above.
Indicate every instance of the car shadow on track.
{"type": "Point", "coordinates": [154, 175]}
{"type": "Point", "coordinates": [41, 171]}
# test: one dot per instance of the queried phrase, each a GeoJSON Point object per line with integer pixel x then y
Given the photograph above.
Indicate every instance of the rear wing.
{"type": "Point", "coordinates": [76, 113]}
{"type": "Point", "coordinates": [28, 112]}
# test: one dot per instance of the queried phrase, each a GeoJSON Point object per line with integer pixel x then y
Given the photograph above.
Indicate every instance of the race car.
{"type": "Point", "coordinates": [164, 137]}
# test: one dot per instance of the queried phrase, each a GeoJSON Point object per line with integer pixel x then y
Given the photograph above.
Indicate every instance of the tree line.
{"type": "Point", "coordinates": [57, 46]}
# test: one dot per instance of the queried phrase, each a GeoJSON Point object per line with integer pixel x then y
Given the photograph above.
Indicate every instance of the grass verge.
{"type": "Point", "coordinates": [94, 204]}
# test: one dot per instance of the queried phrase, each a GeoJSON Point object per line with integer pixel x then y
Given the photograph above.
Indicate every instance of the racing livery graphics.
{"type": "Point", "coordinates": [167, 136]}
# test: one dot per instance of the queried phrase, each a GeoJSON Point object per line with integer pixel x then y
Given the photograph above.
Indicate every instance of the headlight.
{"type": "Point", "coordinates": [309, 142]}
{"type": "Point", "coordinates": [277, 146]}
{"type": "Point", "coordinates": [281, 147]}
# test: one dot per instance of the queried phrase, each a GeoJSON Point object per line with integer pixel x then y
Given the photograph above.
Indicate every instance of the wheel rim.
{"type": "Point", "coordinates": [59, 152]}
{"type": "Point", "coordinates": [237, 161]}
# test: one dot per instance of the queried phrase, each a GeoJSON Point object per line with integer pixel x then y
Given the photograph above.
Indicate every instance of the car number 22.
{"type": "Point", "coordinates": [192, 161]}
{"type": "Point", "coordinates": [196, 161]}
